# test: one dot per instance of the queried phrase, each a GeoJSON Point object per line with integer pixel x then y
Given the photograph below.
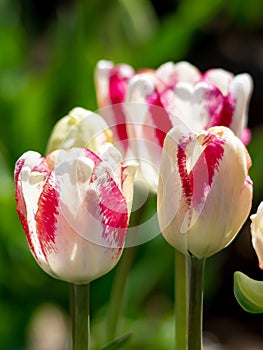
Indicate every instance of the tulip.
{"type": "Point", "coordinates": [74, 206]}
{"type": "Point", "coordinates": [80, 128]}
{"type": "Point", "coordinates": [204, 193]}
{"type": "Point", "coordinates": [257, 233]}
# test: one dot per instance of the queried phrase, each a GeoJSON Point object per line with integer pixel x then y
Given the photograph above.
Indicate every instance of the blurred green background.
{"type": "Point", "coordinates": [48, 51]}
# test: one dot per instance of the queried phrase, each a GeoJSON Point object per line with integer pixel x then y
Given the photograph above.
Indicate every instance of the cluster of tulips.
{"type": "Point", "coordinates": [181, 133]}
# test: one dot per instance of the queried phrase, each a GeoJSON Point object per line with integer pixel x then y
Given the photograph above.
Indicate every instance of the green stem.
{"type": "Point", "coordinates": [181, 300]}
{"type": "Point", "coordinates": [118, 291]}
{"type": "Point", "coordinates": [195, 326]}
{"type": "Point", "coordinates": [80, 317]}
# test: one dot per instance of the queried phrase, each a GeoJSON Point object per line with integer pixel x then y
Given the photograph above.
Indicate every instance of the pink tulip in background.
{"type": "Point", "coordinates": [204, 193]}
{"type": "Point", "coordinates": [143, 106]}
{"type": "Point", "coordinates": [74, 207]}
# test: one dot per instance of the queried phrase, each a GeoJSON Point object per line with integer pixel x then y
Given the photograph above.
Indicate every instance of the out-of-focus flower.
{"type": "Point", "coordinates": [111, 86]}
{"type": "Point", "coordinates": [257, 233]}
{"type": "Point", "coordinates": [74, 207]}
{"type": "Point", "coordinates": [204, 193]}
{"type": "Point", "coordinates": [200, 101]}
{"type": "Point", "coordinates": [145, 105]}
{"type": "Point", "coordinates": [80, 128]}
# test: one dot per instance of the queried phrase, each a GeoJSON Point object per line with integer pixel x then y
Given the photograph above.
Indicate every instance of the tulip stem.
{"type": "Point", "coordinates": [80, 317]}
{"type": "Point", "coordinates": [195, 325]}
{"type": "Point", "coordinates": [181, 300]}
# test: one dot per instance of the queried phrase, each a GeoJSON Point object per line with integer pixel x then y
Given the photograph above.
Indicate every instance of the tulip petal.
{"type": "Point", "coordinates": [257, 233]}
{"type": "Point", "coordinates": [111, 85]}
{"type": "Point", "coordinates": [240, 89]}
{"type": "Point", "coordinates": [102, 75]}
{"type": "Point", "coordinates": [171, 73]}
{"type": "Point", "coordinates": [219, 78]}
{"type": "Point", "coordinates": [29, 186]}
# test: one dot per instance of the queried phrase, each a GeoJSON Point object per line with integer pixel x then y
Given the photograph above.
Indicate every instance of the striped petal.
{"type": "Point", "coordinates": [148, 123]}
{"type": "Point", "coordinates": [29, 185]}
{"type": "Point", "coordinates": [219, 78]}
{"type": "Point", "coordinates": [111, 85]}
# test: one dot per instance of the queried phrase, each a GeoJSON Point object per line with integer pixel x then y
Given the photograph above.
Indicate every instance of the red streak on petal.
{"type": "Point", "coordinates": [19, 165]}
{"type": "Point", "coordinates": [117, 87]}
{"type": "Point", "coordinates": [160, 117]}
{"type": "Point", "coordinates": [120, 126]}
{"type": "Point", "coordinates": [113, 208]}
{"type": "Point", "coordinates": [186, 178]}
{"type": "Point", "coordinates": [213, 152]}
{"type": "Point", "coordinates": [91, 155]}
{"type": "Point", "coordinates": [199, 180]}
{"type": "Point", "coordinates": [46, 216]}
{"type": "Point", "coordinates": [117, 90]}
{"type": "Point", "coordinates": [220, 108]}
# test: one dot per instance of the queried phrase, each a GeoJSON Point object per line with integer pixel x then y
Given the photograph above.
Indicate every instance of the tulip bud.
{"type": "Point", "coordinates": [257, 233]}
{"type": "Point", "coordinates": [80, 128]}
{"type": "Point", "coordinates": [204, 193]}
{"type": "Point", "coordinates": [74, 207]}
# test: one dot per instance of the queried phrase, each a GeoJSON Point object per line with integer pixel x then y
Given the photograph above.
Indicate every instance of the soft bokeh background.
{"type": "Point", "coordinates": [48, 51]}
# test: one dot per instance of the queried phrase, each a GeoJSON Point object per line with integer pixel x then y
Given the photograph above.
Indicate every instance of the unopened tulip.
{"type": "Point", "coordinates": [80, 128]}
{"type": "Point", "coordinates": [74, 207]}
{"type": "Point", "coordinates": [204, 193]}
{"type": "Point", "coordinates": [257, 233]}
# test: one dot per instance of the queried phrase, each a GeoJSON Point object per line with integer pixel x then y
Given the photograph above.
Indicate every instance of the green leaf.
{"type": "Point", "coordinates": [118, 343]}
{"type": "Point", "coordinates": [248, 292]}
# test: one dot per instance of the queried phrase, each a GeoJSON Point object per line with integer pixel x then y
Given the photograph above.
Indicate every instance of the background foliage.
{"type": "Point", "coordinates": [48, 51]}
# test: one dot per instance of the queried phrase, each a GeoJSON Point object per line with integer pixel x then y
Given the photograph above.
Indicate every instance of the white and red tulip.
{"type": "Point", "coordinates": [74, 207]}
{"type": "Point", "coordinates": [257, 233]}
{"type": "Point", "coordinates": [204, 193]}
